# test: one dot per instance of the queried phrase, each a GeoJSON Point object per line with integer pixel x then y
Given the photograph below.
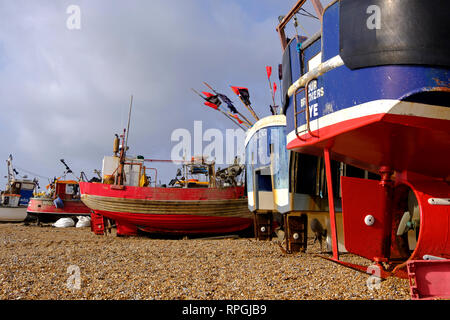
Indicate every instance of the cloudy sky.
{"type": "Point", "coordinates": [65, 93]}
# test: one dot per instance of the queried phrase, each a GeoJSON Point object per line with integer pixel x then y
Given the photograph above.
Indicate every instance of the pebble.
{"type": "Point", "coordinates": [74, 263]}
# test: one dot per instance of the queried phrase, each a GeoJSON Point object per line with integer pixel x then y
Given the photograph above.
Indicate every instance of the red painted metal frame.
{"type": "Point", "coordinates": [383, 273]}
{"type": "Point", "coordinates": [360, 198]}
{"type": "Point", "coordinates": [434, 219]}
{"type": "Point", "coordinates": [331, 204]}
{"type": "Point", "coordinates": [97, 223]}
{"type": "Point", "coordinates": [373, 143]}
{"type": "Point", "coordinates": [429, 279]}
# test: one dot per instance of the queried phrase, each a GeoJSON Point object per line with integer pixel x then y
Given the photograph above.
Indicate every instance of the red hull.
{"type": "Point", "coordinates": [176, 224]}
{"type": "Point", "coordinates": [400, 142]}
{"type": "Point", "coordinates": [71, 207]}
{"type": "Point", "coordinates": [148, 193]}
{"type": "Point", "coordinates": [415, 148]}
{"type": "Point", "coordinates": [44, 208]}
{"type": "Point", "coordinates": [170, 210]}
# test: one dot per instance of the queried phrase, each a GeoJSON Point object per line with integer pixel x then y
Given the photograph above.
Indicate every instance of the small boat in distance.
{"type": "Point", "coordinates": [62, 200]}
{"type": "Point", "coordinates": [188, 205]}
{"type": "Point", "coordinates": [14, 199]}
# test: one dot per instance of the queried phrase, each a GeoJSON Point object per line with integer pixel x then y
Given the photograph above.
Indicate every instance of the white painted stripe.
{"type": "Point", "coordinates": [281, 197]}
{"type": "Point", "coordinates": [372, 108]}
{"type": "Point", "coordinates": [270, 121]}
{"type": "Point", "coordinates": [251, 198]}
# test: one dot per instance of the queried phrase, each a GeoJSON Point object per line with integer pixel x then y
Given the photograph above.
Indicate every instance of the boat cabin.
{"type": "Point", "coordinates": [18, 191]}
{"type": "Point", "coordinates": [65, 189]}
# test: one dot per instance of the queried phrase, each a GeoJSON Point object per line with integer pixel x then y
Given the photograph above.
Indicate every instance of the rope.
{"type": "Point", "coordinates": [308, 14]}
{"type": "Point", "coordinates": [34, 174]}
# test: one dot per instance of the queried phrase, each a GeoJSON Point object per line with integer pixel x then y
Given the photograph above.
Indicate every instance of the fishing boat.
{"type": "Point", "coordinates": [371, 90]}
{"type": "Point", "coordinates": [61, 200]}
{"type": "Point", "coordinates": [187, 205]}
{"type": "Point", "coordinates": [277, 195]}
{"type": "Point", "coordinates": [14, 199]}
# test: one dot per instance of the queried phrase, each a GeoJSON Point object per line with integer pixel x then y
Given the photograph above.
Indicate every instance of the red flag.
{"type": "Point", "coordinates": [212, 100]}
{"type": "Point", "coordinates": [269, 71]}
{"type": "Point", "coordinates": [243, 93]}
{"type": "Point", "coordinates": [235, 90]}
{"type": "Point", "coordinates": [274, 88]}
{"type": "Point", "coordinates": [211, 105]}
{"type": "Point", "coordinates": [208, 94]}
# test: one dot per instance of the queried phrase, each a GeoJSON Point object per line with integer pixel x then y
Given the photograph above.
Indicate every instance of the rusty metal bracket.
{"type": "Point", "coordinates": [296, 231]}
{"type": "Point", "coordinates": [263, 226]}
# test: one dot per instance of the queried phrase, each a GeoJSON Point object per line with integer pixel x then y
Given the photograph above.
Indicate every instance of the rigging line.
{"type": "Point", "coordinates": [305, 15]}
{"type": "Point", "coordinates": [32, 173]}
{"type": "Point", "coordinates": [309, 14]}
{"type": "Point", "coordinates": [301, 28]}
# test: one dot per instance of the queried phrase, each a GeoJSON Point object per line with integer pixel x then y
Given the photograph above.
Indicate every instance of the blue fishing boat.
{"type": "Point", "coordinates": [370, 95]}
{"type": "Point", "coordinates": [14, 199]}
{"type": "Point", "coordinates": [276, 197]}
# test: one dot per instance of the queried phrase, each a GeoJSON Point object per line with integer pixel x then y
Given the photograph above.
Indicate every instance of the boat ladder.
{"type": "Point", "coordinates": [303, 110]}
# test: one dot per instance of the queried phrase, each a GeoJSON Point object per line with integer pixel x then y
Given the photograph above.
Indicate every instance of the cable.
{"type": "Point", "coordinates": [308, 14]}
{"type": "Point", "coordinates": [32, 173]}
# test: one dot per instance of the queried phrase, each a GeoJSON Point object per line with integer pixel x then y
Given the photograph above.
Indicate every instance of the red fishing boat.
{"type": "Point", "coordinates": [132, 199]}
{"type": "Point", "coordinates": [62, 200]}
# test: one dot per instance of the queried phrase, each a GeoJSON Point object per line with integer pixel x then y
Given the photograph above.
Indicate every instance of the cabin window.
{"type": "Point", "coordinates": [280, 162]}
{"type": "Point", "coordinates": [315, 61]}
{"type": "Point", "coordinates": [250, 156]}
{"type": "Point", "coordinates": [310, 175]}
{"type": "Point", "coordinates": [263, 179]}
{"type": "Point", "coordinates": [70, 189]}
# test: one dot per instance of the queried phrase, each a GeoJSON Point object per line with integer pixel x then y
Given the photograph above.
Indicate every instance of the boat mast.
{"type": "Point", "coordinates": [120, 170]}
{"type": "Point", "coordinates": [123, 151]}
{"type": "Point", "coordinates": [128, 127]}
{"type": "Point", "coordinates": [11, 175]}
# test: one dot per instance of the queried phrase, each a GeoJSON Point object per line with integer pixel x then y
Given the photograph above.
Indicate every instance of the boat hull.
{"type": "Point", "coordinates": [45, 210]}
{"type": "Point", "coordinates": [17, 214]}
{"type": "Point", "coordinates": [128, 224]}
{"type": "Point", "coordinates": [170, 210]}
{"type": "Point", "coordinates": [403, 141]}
